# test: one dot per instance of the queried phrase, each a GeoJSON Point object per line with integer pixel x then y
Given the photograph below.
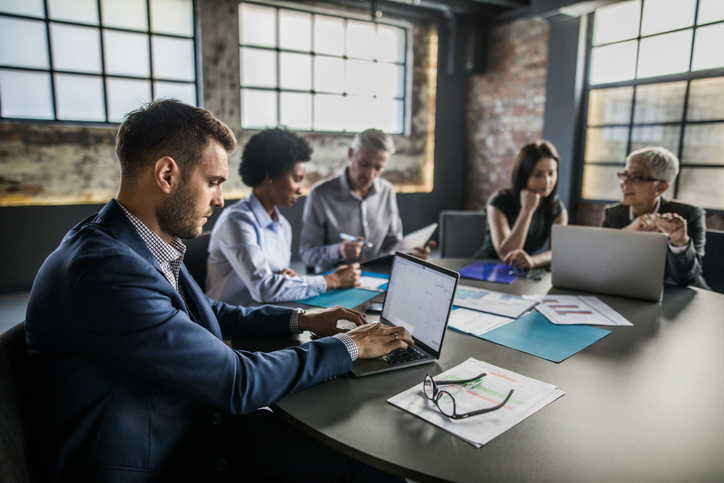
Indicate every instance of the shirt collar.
{"type": "Point", "coordinates": [163, 252]}
{"type": "Point", "coordinates": [260, 213]}
{"type": "Point", "coordinates": [656, 209]}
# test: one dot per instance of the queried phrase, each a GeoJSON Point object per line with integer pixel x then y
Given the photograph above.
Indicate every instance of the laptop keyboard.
{"type": "Point", "coordinates": [399, 356]}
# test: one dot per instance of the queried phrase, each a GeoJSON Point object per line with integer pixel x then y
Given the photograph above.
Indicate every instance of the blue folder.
{"type": "Point", "coordinates": [536, 335]}
{"type": "Point", "coordinates": [346, 297]}
{"type": "Point", "coordinates": [488, 272]}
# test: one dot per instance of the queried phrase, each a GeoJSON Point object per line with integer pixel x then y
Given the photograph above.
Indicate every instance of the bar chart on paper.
{"type": "Point", "coordinates": [579, 309]}
{"type": "Point", "coordinates": [492, 302]}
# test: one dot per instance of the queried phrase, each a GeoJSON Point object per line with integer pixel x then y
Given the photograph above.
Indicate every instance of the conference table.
{"type": "Point", "coordinates": [645, 403]}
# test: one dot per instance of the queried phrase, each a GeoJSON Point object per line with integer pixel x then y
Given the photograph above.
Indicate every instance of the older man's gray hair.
{"type": "Point", "coordinates": [663, 163]}
{"type": "Point", "coordinates": [373, 140]}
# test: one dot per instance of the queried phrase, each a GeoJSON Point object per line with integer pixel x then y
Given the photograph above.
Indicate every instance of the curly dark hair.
{"type": "Point", "coordinates": [272, 152]}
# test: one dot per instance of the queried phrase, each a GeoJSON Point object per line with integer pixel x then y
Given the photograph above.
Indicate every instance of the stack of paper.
{"type": "Point", "coordinates": [528, 397]}
{"type": "Point", "coordinates": [474, 322]}
{"type": "Point", "coordinates": [492, 302]}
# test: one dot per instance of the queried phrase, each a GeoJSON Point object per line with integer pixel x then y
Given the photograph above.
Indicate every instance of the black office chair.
{"type": "Point", "coordinates": [197, 253]}
{"type": "Point", "coordinates": [713, 269]}
{"type": "Point", "coordinates": [22, 456]}
{"type": "Point", "coordinates": [461, 233]}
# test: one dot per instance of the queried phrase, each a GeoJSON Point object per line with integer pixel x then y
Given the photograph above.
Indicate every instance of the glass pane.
{"type": "Point", "coordinates": [173, 58]}
{"type": "Point", "coordinates": [665, 54]}
{"type": "Point", "coordinates": [296, 110]}
{"type": "Point", "coordinates": [363, 113]}
{"type": "Point", "coordinates": [665, 15]}
{"type": "Point", "coordinates": [706, 100]}
{"type": "Point", "coordinates": [702, 187]}
{"type": "Point", "coordinates": [125, 95]}
{"type": "Point", "coordinates": [708, 53]}
{"type": "Point", "coordinates": [660, 103]}
{"type": "Point", "coordinates": [703, 144]}
{"type": "Point", "coordinates": [361, 40]}
{"type": "Point", "coordinates": [329, 113]}
{"type": "Point", "coordinates": [23, 43]}
{"type": "Point", "coordinates": [710, 11]}
{"type": "Point", "coordinates": [328, 74]}
{"type": "Point", "coordinates": [600, 182]}
{"type": "Point", "coordinates": [328, 35]}
{"type": "Point", "coordinates": [258, 109]}
{"type": "Point", "coordinates": [31, 8]}
{"type": "Point", "coordinates": [390, 80]}
{"type": "Point", "coordinates": [25, 95]}
{"type": "Point", "coordinates": [175, 17]}
{"type": "Point", "coordinates": [390, 44]}
{"type": "Point", "coordinates": [610, 106]}
{"type": "Point", "coordinates": [295, 30]}
{"type": "Point", "coordinates": [258, 67]}
{"type": "Point", "coordinates": [258, 25]}
{"type": "Point", "coordinates": [82, 11]}
{"type": "Point", "coordinates": [613, 63]}
{"type": "Point", "coordinates": [295, 71]}
{"type": "Point", "coordinates": [663, 136]}
{"type": "Point", "coordinates": [606, 144]}
{"type": "Point", "coordinates": [361, 78]}
{"type": "Point", "coordinates": [77, 49]}
{"type": "Point", "coordinates": [177, 90]}
{"type": "Point", "coordinates": [388, 115]}
{"type": "Point", "coordinates": [79, 97]}
{"type": "Point", "coordinates": [616, 22]}
{"type": "Point", "coordinates": [126, 53]}
{"type": "Point", "coordinates": [126, 14]}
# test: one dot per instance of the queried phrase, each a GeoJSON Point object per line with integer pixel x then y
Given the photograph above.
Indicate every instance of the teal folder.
{"type": "Point", "coordinates": [346, 297]}
{"type": "Point", "coordinates": [536, 335]}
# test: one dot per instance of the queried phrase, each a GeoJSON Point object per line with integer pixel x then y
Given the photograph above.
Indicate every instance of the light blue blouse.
{"type": "Point", "coordinates": [247, 250]}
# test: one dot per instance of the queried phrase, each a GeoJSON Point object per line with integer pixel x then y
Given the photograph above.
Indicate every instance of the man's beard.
{"type": "Point", "coordinates": [177, 216]}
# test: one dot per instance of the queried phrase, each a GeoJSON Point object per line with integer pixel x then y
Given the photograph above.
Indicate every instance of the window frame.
{"type": "Point", "coordinates": [682, 123]}
{"type": "Point", "coordinates": [103, 75]}
{"type": "Point", "coordinates": [407, 64]}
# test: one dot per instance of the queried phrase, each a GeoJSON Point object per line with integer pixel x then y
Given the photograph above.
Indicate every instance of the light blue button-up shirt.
{"type": "Point", "coordinates": [247, 250]}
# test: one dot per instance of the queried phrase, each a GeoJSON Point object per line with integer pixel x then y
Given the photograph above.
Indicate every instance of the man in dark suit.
{"type": "Point", "coordinates": [648, 174]}
{"type": "Point", "coordinates": [131, 371]}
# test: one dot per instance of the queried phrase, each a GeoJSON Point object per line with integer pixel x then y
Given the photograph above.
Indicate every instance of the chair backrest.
{"type": "Point", "coordinates": [713, 269]}
{"type": "Point", "coordinates": [462, 233]}
{"type": "Point", "coordinates": [197, 253]}
{"type": "Point", "coordinates": [19, 448]}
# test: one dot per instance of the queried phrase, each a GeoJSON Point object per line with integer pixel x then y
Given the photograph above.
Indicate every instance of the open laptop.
{"type": "Point", "coordinates": [609, 261]}
{"type": "Point", "coordinates": [419, 298]}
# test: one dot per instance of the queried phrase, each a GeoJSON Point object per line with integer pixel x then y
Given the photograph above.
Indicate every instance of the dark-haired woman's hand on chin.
{"type": "Point", "coordinates": [529, 200]}
{"type": "Point", "coordinates": [519, 259]}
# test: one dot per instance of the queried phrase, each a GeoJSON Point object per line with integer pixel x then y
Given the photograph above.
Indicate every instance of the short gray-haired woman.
{"type": "Point", "coordinates": [648, 174]}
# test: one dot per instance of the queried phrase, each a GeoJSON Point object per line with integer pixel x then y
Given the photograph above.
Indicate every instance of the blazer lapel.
{"type": "Point", "coordinates": [195, 297]}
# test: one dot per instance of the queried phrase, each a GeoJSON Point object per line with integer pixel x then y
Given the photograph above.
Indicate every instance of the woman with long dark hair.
{"type": "Point", "coordinates": [520, 218]}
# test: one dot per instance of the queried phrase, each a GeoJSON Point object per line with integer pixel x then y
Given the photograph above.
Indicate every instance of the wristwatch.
{"type": "Point", "coordinates": [299, 311]}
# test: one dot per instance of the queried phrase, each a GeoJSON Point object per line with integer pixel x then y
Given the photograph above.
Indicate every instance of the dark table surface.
{"type": "Point", "coordinates": [642, 404]}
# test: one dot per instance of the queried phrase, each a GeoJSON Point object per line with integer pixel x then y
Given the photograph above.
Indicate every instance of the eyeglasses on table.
{"type": "Point", "coordinates": [445, 401]}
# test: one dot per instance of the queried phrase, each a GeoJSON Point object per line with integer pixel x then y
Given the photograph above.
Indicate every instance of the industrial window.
{"type": "Point", "coordinates": [656, 78]}
{"type": "Point", "coordinates": [314, 72]}
{"type": "Point", "coordinates": [94, 60]}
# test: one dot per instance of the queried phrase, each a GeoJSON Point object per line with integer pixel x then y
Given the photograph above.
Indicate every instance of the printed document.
{"type": "Point", "coordinates": [579, 310]}
{"type": "Point", "coordinates": [529, 396]}
{"type": "Point", "coordinates": [474, 322]}
{"type": "Point", "coordinates": [492, 302]}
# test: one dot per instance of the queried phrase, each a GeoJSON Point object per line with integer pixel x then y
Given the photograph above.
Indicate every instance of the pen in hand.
{"type": "Point", "coordinates": [345, 236]}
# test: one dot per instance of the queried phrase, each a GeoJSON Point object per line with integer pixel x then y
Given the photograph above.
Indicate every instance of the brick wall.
{"type": "Point", "coordinates": [506, 106]}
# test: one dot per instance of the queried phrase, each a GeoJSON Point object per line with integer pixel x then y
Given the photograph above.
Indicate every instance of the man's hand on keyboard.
{"type": "Point", "coordinates": [375, 339]}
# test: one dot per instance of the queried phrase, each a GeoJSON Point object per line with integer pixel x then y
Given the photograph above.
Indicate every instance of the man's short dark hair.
{"type": "Point", "coordinates": [272, 152]}
{"type": "Point", "coordinates": [171, 128]}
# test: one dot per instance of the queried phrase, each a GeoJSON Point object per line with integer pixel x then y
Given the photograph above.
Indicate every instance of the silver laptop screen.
{"type": "Point", "coordinates": [418, 299]}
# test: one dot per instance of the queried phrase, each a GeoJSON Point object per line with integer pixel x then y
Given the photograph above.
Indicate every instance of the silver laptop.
{"type": "Point", "coordinates": [609, 261]}
{"type": "Point", "coordinates": [419, 298]}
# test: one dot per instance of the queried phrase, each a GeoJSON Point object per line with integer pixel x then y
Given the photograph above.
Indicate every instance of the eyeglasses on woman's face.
{"type": "Point", "coordinates": [635, 178]}
{"type": "Point", "coordinates": [445, 401]}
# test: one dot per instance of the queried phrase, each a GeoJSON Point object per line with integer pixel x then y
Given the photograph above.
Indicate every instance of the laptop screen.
{"type": "Point", "coordinates": [419, 298]}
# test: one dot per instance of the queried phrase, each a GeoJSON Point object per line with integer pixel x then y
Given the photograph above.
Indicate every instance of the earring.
{"type": "Point", "coordinates": [271, 181]}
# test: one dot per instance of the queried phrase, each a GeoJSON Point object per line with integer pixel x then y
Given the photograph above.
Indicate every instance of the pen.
{"type": "Point", "coordinates": [353, 238]}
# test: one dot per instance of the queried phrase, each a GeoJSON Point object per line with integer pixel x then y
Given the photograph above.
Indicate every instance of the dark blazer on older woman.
{"type": "Point", "coordinates": [683, 268]}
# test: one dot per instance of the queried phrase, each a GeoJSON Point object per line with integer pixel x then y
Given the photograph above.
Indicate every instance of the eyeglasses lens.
{"type": "Point", "coordinates": [429, 387]}
{"type": "Point", "coordinates": [446, 403]}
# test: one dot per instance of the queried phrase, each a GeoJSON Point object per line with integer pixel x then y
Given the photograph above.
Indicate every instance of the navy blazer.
{"type": "Point", "coordinates": [132, 389]}
{"type": "Point", "coordinates": [681, 269]}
